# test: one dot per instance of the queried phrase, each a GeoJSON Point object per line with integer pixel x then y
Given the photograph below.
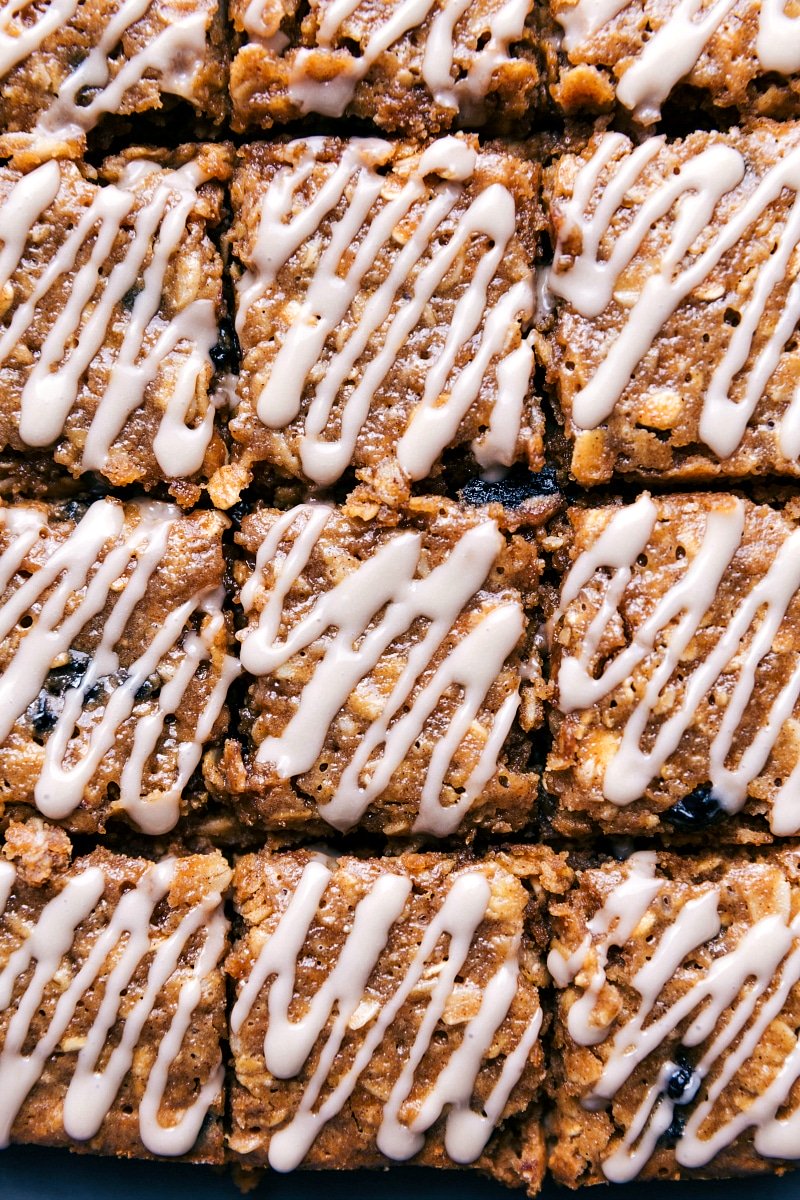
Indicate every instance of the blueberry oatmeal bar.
{"type": "Point", "coordinates": [392, 676]}
{"type": "Point", "coordinates": [112, 998]}
{"type": "Point", "coordinates": [675, 1050]}
{"type": "Point", "coordinates": [383, 301]}
{"type": "Point", "coordinates": [414, 68]}
{"type": "Point", "coordinates": [420, 978]}
{"type": "Point", "coordinates": [115, 651]}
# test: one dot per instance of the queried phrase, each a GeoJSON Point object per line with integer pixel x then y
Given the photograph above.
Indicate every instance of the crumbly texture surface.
{"type": "Point", "coordinates": [41, 856]}
{"type": "Point", "coordinates": [650, 423]}
{"type": "Point", "coordinates": [584, 1137]}
{"type": "Point", "coordinates": [388, 367]}
{"type": "Point", "coordinates": [588, 737]}
{"type": "Point", "coordinates": [727, 72]}
{"type": "Point", "coordinates": [123, 368]}
{"type": "Point", "coordinates": [488, 81]}
{"type": "Point", "coordinates": [170, 50]}
{"type": "Point", "coordinates": [187, 573]}
{"type": "Point", "coordinates": [262, 1105]}
{"type": "Point", "coordinates": [259, 790]}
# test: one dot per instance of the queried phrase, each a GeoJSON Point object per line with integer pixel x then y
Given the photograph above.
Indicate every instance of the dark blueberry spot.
{"type": "Point", "coordinates": [148, 688]}
{"type": "Point", "coordinates": [511, 491]}
{"type": "Point", "coordinates": [225, 355]}
{"type": "Point", "coordinates": [94, 692]}
{"type": "Point", "coordinates": [61, 679]}
{"type": "Point", "coordinates": [237, 512]}
{"type": "Point", "coordinates": [129, 299]}
{"type": "Point", "coordinates": [42, 715]}
{"type": "Point", "coordinates": [679, 1081]}
{"type": "Point", "coordinates": [674, 1133]}
{"type": "Point", "coordinates": [697, 810]}
{"type": "Point", "coordinates": [73, 510]}
{"type": "Point", "coordinates": [104, 686]}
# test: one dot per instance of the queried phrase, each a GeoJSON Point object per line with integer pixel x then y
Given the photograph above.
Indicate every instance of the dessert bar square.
{"type": "Point", "coordinates": [740, 54]}
{"type": "Point", "coordinates": [676, 1050]}
{"type": "Point", "coordinates": [382, 308]}
{"type": "Point", "coordinates": [388, 1009]}
{"type": "Point", "coordinates": [67, 66]}
{"type": "Point", "coordinates": [393, 672]}
{"type": "Point", "coordinates": [413, 68]}
{"type": "Point", "coordinates": [114, 663]}
{"type": "Point", "coordinates": [673, 352]}
{"type": "Point", "coordinates": [674, 658]}
{"type": "Point", "coordinates": [111, 302]}
{"type": "Point", "coordinates": [112, 999]}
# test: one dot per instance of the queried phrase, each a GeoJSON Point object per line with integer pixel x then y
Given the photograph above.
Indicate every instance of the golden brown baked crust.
{"type": "Point", "coordinates": [735, 908]}
{"type": "Point", "coordinates": [505, 932]}
{"type": "Point", "coordinates": [424, 665]}
{"type": "Point", "coordinates": [288, 54]}
{"type": "Point", "coordinates": [383, 301]}
{"type": "Point", "coordinates": [672, 353]}
{"type": "Point", "coordinates": [684, 641]}
{"type": "Point", "coordinates": [68, 71]}
{"type": "Point", "coordinates": [180, 907]}
{"type": "Point", "coordinates": [107, 713]}
{"type": "Point", "coordinates": [110, 311]}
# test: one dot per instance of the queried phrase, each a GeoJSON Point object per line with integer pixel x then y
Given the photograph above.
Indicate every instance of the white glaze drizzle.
{"type": "Point", "coordinates": [368, 610]}
{"type": "Point", "coordinates": [669, 55]}
{"type": "Point", "coordinates": [128, 936]}
{"type": "Point", "coordinates": [589, 280]}
{"type": "Point", "coordinates": [75, 340]}
{"type": "Point", "coordinates": [72, 573]}
{"type": "Point", "coordinates": [173, 54]}
{"type": "Point", "coordinates": [341, 18]}
{"type": "Point", "coordinates": [682, 610]}
{"type": "Point", "coordinates": [748, 986]}
{"type": "Point", "coordinates": [675, 47]}
{"type": "Point", "coordinates": [448, 393]}
{"type": "Point", "coordinates": [582, 21]}
{"type": "Point", "coordinates": [8, 875]}
{"type": "Point", "coordinates": [612, 925]}
{"type": "Point", "coordinates": [289, 1042]}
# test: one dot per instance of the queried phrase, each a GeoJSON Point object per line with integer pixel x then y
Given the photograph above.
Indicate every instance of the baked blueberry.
{"type": "Point", "coordinates": [148, 688]}
{"type": "Point", "coordinates": [674, 1132]}
{"type": "Point", "coordinates": [512, 490]}
{"type": "Point", "coordinates": [129, 299]}
{"type": "Point", "coordinates": [225, 354]}
{"type": "Point", "coordinates": [41, 714]}
{"type": "Point", "coordinates": [679, 1081]}
{"type": "Point", "coordinates": [61, 679]}
{"type": "Point", "coordinates": [697, 810]}
{"type": "Point", "coordinates": [73, 510]}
